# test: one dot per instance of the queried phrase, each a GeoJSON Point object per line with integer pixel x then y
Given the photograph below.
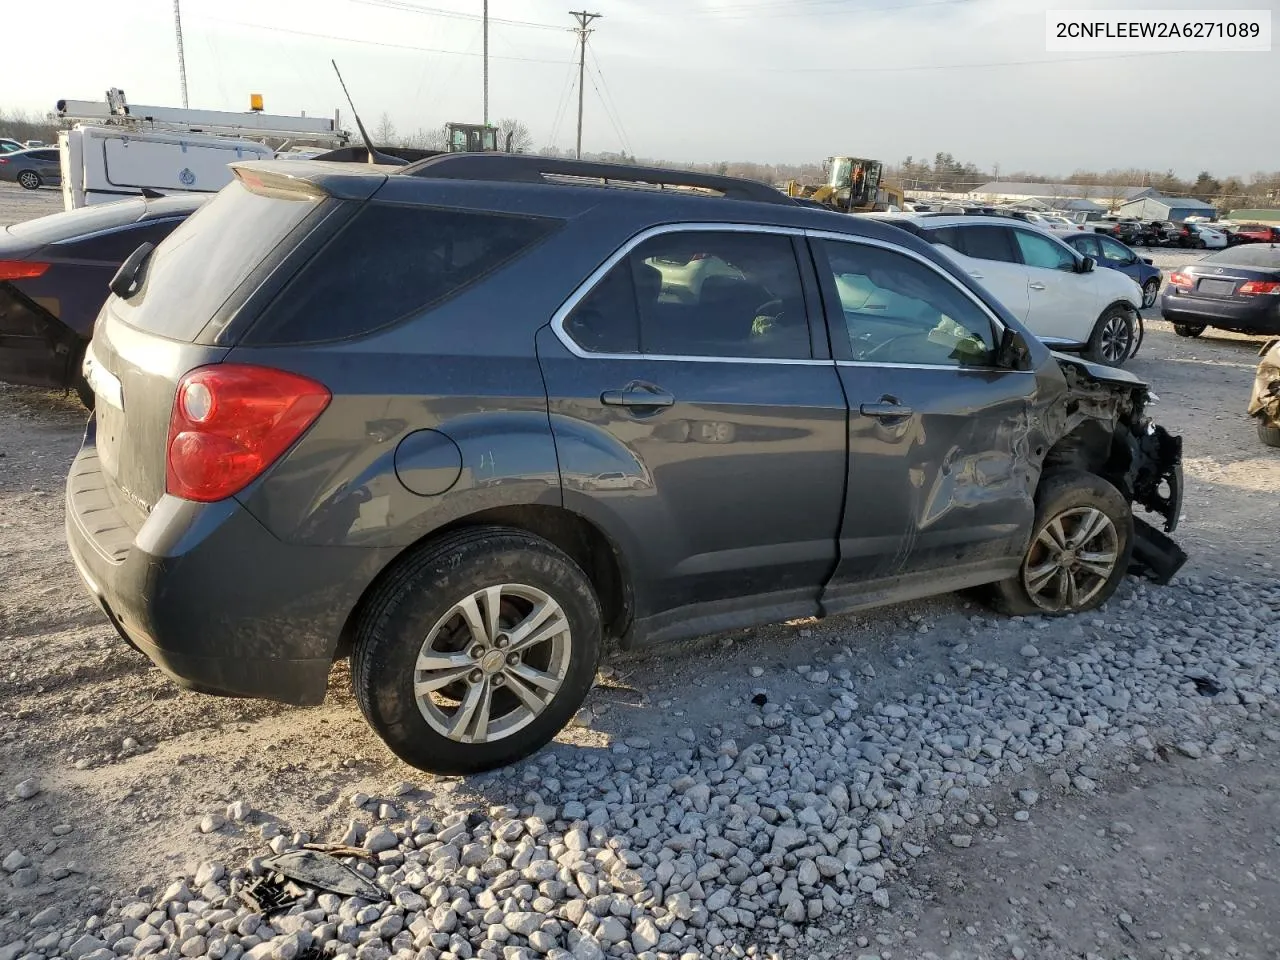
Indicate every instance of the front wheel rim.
{"type": "Point", "coordinates": [1071, 559]}
{"type": "Point", "coordinates": [29, 180]}
{"type": "Point", "coordinates": [493, 663]}
{"type": "Point", "coordinates": [1149, 293]}
{"type": "Point", "coordinates": [1115, 339]}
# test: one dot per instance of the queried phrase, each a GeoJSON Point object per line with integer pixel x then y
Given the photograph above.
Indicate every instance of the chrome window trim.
{"type": "Point", "coordinates": [997, 323]}
{"type": "Point", "coordinates": [583, 289]}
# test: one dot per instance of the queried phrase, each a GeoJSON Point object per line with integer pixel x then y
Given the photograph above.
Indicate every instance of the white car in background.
{"type": "Point", "coordinates": [1052, 289]}
{"type": "Point", "coordinates": [1206, 237]}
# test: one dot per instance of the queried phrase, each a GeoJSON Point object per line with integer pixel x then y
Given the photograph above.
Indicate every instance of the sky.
{"type": "Point", "coordinates": [782, 81]}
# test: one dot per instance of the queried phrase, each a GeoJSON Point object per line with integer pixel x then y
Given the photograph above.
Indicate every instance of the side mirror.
{"type": "Point", "coordinates": [1013, 354]}
{"type": "Point", "coordinates": [1087, 265]}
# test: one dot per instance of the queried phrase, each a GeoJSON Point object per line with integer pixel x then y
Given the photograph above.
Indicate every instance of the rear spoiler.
{"type": "Point", "coordinates": [308, 180]}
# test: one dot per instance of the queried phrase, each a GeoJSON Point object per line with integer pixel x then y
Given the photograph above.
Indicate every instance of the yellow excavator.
{"type": "Point", "coordinates": [854, 185]}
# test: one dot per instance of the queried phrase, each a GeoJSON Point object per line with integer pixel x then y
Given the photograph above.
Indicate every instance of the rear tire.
{"type": "Point", "coordinates": [1112, 339]}
{"type": "Point", "coordinates": [435, 666]}
{"type": "Point", "coordinates": [30, 180]}
{"type": "Point", "coordinates": [1188, 329]}
{"type": "Point", "coordinates": [1150, 290]}
{"type": "Point", "coordinates": [1074, 500]}
{"type": "Point", "coordinates": [1268, 433]}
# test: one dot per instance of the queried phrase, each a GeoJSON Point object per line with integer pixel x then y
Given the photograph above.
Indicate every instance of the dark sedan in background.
{"type": "Point", "coordinates": [1114, 254]}
{"type": "Point", "coordinates": [1234, 289]}
{"type": "Point", "coordinates": [54, 273]}
{"type": "Point", "coordinates": [32, 169]}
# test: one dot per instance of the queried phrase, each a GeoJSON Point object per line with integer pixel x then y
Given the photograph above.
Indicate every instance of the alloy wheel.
{"type": "Point", "coordinates": [29, 180]}
{"type": "Point", "coordinates": [1116, 340]}
{"type": "Point", "coordinates": [1150, 291]}
{"type": "Point", "coordinates": [1072, 558]}
{"type": "Point", "coordinates": [493, 663]}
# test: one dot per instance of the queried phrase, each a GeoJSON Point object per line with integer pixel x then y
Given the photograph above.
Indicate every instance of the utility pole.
{"type": "Point", "coordinates": [486, 62]}
{"type": "Point", "coordinates": [583, 31]}
{"type": "Point", "coordinates": [182, 63]}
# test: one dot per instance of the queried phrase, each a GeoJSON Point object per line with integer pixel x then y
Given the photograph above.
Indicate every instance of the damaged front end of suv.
{"type": "Point", "coordinates": [1100, 425]}
{"type": "Point", "coordinates": [1264, 402]}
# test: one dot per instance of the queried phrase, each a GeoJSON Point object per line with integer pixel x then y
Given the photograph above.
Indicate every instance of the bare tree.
{"type": "Point", "coordinates": [385, 132]}
{"type": "Point", "coordinates": [521, 138]}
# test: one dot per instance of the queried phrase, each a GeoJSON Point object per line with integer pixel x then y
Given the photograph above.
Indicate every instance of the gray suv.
{"type": "Point", "coordinates": [467, 420]}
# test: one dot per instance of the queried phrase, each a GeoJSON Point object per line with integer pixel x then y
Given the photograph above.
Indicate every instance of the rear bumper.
{"type": "Point", "coordinates": [209, 595]}
{"type": "Point", "coordinates": [1262, 317]}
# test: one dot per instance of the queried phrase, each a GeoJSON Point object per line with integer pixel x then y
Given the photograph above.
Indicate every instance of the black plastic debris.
{"type": "Point", "coordinates": [320, 871]}
{"type": "Point", "coordinates": [290, 876]}
{"type": "Point", "coordinates": [1207, 686]}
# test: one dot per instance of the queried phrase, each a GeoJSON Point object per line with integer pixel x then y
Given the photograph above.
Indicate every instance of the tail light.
{"type": "Point", "coordinates": [232, 421]}
{"type": "Point", "coordinates": [1259, 287]}
{"type": "Point", "coordinates": [1181, 280]}
{"type": "Point", "coordinates": [21, 269]}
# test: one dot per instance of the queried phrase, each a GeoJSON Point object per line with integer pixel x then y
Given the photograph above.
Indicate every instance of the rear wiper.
{"type": "Point", "coordinates": [127, 280]}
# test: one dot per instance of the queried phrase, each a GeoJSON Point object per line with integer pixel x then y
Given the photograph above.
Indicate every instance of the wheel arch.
{"type": "Point", "coordinates": [586, 542]}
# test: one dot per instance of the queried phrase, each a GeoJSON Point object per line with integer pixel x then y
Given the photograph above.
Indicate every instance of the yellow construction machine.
{"type": "Point", "coordinates": [854, 185]}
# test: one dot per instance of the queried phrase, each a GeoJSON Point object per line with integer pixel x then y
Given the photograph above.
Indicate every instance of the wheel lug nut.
{"type": "Point", "coordinates": [512, 660]}
{"type": "Point", "coordinates": [476, 676]}
{"type": "Point", "coordinates": [498, 681]}
{"type": "Point", "coordinates": [477, 652]}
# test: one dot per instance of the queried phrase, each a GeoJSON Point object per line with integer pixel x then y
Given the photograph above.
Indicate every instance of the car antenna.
{"type": "Point", "coordinates": [375, 155]}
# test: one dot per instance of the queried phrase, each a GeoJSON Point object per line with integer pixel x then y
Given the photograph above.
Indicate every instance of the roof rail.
{"type": "Point", "coordinates": [526, 168]}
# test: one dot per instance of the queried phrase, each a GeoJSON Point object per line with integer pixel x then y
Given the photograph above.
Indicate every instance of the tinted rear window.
{"type": "Point", "coordinates": [194, 271]}
{"type": "Point", "coordinates": [1264, 256]}
{"type": "Point", "coordinates": [78, 223]}
{"type": "Point", "coordinates": [389, 262]}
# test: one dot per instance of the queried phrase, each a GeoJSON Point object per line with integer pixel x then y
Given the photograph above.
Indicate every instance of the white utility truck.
{"type": "Point", "coordinates": [116, 150]}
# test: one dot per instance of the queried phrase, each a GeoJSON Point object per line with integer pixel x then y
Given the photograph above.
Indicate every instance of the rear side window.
{"type": "Point", "coordinates": [201, 264]}
{"type": "Point", "coordinates": [389, 262]}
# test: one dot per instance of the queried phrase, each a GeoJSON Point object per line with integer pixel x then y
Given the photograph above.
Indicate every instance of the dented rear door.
{"type": "Point", "coordinates": [940, 482]}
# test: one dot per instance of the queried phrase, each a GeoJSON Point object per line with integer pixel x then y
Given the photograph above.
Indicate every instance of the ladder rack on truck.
{"type": "Point", "coordinates": [118, 150]}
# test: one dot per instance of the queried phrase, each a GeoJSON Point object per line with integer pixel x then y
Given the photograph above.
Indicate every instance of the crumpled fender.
{"type": "Point", "coordinates": [1264, 401]}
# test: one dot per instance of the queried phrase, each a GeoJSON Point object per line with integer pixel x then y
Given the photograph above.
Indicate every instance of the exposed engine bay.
{"type": "Point", "coordinates": [1100, 425]}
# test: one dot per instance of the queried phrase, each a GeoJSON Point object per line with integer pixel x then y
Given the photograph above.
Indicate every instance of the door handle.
{"type": "Point", "coordinates": [637, 395]}
{"type": "Point", "coordinates": [1037, 285]}
{"type": "Point", "coordinates": [884, 410]}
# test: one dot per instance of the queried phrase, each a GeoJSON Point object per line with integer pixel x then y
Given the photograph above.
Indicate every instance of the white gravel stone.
{"type": "Point", "coordinates": [26, 789]}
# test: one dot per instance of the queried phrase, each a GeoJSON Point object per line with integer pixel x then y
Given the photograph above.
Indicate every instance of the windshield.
{"type": "Point", "coordinates": [1262, 256]}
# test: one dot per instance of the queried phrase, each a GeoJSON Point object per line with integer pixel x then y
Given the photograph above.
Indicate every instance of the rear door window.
{"type": "Point", "coordinates": [205, 260]}
{"type": "Point", "coordinates": [389, 262]}
{"type": "Point", "coordinates": [985, 242]}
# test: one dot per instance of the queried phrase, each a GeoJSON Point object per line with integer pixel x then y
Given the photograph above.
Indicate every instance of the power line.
{"type": "Point", "coordinates": [622, 142]}
{"type": "Point", "coordinates": [583, 30]}
{"type": "Point", "coordinates": [611, 106]}
{"type": "Point", "coordinates": [455, 14]}
{"type": "Point", "coordinates": [968, 66]}
{"type": "Point", "coordinates": [372, 43]}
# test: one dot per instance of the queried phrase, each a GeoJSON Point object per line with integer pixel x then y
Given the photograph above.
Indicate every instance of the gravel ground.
{"type": "Point", "coordinates": [925, 781]}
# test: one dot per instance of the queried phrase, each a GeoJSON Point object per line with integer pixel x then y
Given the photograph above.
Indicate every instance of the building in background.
{"type": "Point", "coordinates": [1168, 208]}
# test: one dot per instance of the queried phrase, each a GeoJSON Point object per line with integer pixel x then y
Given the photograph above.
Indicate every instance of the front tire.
{"type": "Point", "coordinates": [477, 651]}
{"type": "Point", "coordinates": [1188, 329]}
{"type": "Point", "coordinates": [1268, 433]}
{"type": "Point", "coordinates": [1079, 549]}
{"type": "Point", "coordinates": [1150, 290]}
{"type": "Point", "coordinates": [1112, 339]}
{"type": "Point", "coordinates": [30, 180]}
